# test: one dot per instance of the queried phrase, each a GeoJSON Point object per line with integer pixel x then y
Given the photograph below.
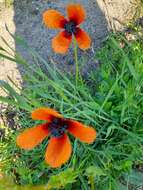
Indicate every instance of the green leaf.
{"type": "Point", "coordinates": [95, 171]}
{"type": "Point", "coordinates": [110, 130]}
{"type": "Point", "coordinates": [132, 70]}
{"type": "Point", "coordinates": [60, 180]}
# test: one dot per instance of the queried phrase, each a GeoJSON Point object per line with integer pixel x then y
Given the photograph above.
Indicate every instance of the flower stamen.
{"type": "Point", "coordinates": [70, 27]}
{"type": "Point", "coordinates": [57, 127]}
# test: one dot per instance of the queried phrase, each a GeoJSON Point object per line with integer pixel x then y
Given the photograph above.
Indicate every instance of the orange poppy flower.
{"type": "Point", "coordinates": [59, 148]}
{"type": "Point", "coordinates": [55, 20]}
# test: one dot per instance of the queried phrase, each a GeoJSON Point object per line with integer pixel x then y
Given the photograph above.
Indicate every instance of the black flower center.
{"type": "Point", "coordinates": [58, 127]}
{"type": "Point", "coordinates": [70, 27]}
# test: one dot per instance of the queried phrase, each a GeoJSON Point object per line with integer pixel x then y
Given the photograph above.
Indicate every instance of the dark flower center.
{"type": "Point", "coordinates": [70, 27]}
{"type": "Point", "coordinates": [57, 127]}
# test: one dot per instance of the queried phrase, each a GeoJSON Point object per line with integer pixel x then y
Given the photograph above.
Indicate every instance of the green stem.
{"type": "Point", "coordinates": [91, 179]}
{"type": "Point", "coordinates": [76, 62]}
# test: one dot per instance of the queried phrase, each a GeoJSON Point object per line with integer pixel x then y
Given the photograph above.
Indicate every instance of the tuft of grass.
{"type": "Point", "coordinates": [110, 100]}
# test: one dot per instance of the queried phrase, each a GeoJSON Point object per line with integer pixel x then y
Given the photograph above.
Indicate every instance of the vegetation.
{"type": "Point", "coordinates": [109, 100]}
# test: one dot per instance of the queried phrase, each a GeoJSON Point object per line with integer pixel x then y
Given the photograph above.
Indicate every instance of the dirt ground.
{"type": "Point", "coordinates": [25, 19]}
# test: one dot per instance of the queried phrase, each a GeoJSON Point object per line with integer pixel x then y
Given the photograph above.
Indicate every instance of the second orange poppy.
{"type": "Point", "coordinates": [56, 126]}
{"type": "Point", "coordinates": [55, 20]}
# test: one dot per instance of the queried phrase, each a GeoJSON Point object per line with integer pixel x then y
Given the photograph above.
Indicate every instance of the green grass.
{"type": "Point", "coordinates": [110, 100]}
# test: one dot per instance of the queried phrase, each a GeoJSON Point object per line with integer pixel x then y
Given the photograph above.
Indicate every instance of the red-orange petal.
{"type": "Point", "coordinates": [53, 19]}
{"type": "Point", "coordinates": [82, 132]}
{"type": "Point", "coordinates": [83, 39]}
{"type": "Point", "coordinates": [61, 42]}
{"type": "Point", "coordinates": [32, 137]}
{"type": "Point", "coordinates": [76, 13]}
{"type": "Point", "coordinates": [44, 114]}
{"type": "Point", "coordinates": [58, 151]}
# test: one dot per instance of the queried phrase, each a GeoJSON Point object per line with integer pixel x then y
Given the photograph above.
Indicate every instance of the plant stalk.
{"type": "Point", "coordinates": [76, 62]}
{"type": "Point", "coordinates": [91, 179]}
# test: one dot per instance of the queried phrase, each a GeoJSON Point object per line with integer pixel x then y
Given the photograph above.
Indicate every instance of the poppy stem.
{"type": "Point", "coordinates": [91, 179]}
{"type": "Point", "coordinates": [76, 62]}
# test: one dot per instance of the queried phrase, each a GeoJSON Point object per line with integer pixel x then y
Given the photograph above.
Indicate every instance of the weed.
{"type": "Point", "coordinates": [111, 101]}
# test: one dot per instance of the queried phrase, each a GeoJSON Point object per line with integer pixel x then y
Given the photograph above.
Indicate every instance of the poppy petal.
{"type": "Point", "coordinates": [83, 39]}
{"type": "Point", "coordinates": [58, 151]}
{"type": "Point", "coordinates": [32, 137]}
{"type": "Point", "coordinates": [61, 42]}
{"type": "Point", "coordinates": [76, 13]}
{"type": "Point", "coordinates": [53, 19]}
{"type": "Point", "coordinates": [44, 114]}
{"type": "Point", "coordinates": [82, 132]}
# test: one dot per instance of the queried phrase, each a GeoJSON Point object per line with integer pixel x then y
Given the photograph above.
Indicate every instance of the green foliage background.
{"type": "Point", "coordinates": [109, 100]}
